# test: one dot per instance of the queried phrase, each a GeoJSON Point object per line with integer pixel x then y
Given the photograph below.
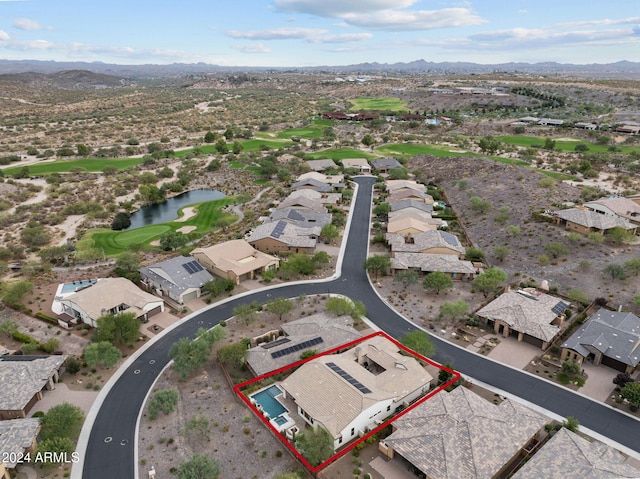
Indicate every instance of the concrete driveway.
{"type": "Point", "coordinates": [599, 383]}
{"type": "Point", "coordinates": [514, 353]}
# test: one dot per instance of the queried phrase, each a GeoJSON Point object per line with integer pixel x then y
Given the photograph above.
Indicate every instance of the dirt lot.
{"type": "Point", "coordinates": [518, 190]}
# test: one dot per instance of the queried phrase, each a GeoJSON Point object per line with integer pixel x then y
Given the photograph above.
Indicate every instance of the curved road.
{"type": "Point", "coordinates": [110, 449]}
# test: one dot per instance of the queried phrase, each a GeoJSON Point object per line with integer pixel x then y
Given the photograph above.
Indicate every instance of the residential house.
{"type": "Point", "coordinates": [235, 260]}
{"type": "Point", "coordinates": [383, 165]}
{"type": "Point", "coordinates": [410, 226]}
{"type": "Point", "coordinates": [460, 435]}
{"type": "Point", "coordinates": [359, 164]}
{"type": "Point", "coordinates": [568, 454]}
{"type": "Point", "coordinates": [321, 165]}
{"type": "Point", "coordinates": [302, 203]}
{"type": "Point", "coordinates": [300, 217]}
{"type": "Point", "coordinates": [584, 221]}
{"type": "Point", "coordinates": [628, 129]}
{"type": "Point", "coordinates": [608, 337]}
{"type": "Point", "coordinates": [17, 438]}
{"type": "Point", "coordinates": [409, 194]}
{"type": "Point", "coordinates": [428, 263]}
{"type": "Point", "coordinates": [428, 242]}
{"type": "Point", "coordinates": [319, 332]}
{"type": "Point", "coordinates": [412, 204]}
{"type": "Point", "coordinates": [180, 278]}
{"type": "Point", "coordinates": [404, 185]}
{"type": "Point", "coordinates": [534, 317]}
{"type": "Point", "coordinates": [312, 184]}
{"type": "Point", "coordinates": [550, 122]}
{"type": "Point", "coordinates": [111, 296]}
{"type": "Point", "coordinates": [617, 207]}
{"type": "Point", "coordinates": [315, 197]}
{"type": "Point", "coordinates": [416, 214]}
{"type": "Point", "coordinates": [352, 392]}
{"type": "Point", "coordinates": [585, 126]}
{"type": "Point", "coordinates": [336, 180]}
{"type": "Point", "coordinates": [23, 378]}
{"type": "Point", "coordinates": [279, 236]}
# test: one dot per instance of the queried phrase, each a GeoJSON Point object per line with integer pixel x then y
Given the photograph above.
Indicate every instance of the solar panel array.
{"type": "Point", "coordinates": [449, 238]}
{"type": "Point", "coordinates": [275, 343]}
{"type": "Point", "coordinates": [560, 307]}
{"type": "Point", "coordinates": [350, 379]}
{"type": "Point", "coordinates": [279, 229]}
{"type": "Point", "coordinates": [297, 347]}
{"type": "Point", "coordinates": [192, 267]}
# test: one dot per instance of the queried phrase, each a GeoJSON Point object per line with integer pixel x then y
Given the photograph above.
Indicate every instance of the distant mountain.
{"type": "Point", "coordinates": [621, 69]}
{"type": "Point", "coordinates": [67, 79]}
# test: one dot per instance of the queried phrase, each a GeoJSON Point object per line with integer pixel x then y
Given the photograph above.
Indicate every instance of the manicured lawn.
{"type": "Point", "coordinates": [341, 154]}
{"type": "Point", "coordinates": [413, 149]}
{"type": "Point", "coordinates": [386, 103]}
{"type": "Point", "coordinates": [255, 145]}
{"type": "Point", "coordinates": [310, 132]}
{"type": "Point", "coordinates": [562, 145]}
{"type": "Point", "coordinates": [87, 164]}
{"type": "Point", "coordinates": [112, 243]}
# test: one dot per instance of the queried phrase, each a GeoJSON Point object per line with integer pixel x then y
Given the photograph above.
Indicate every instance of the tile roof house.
{"type": "Point", "coordinates": [429, 242]}
{"type": "Point", "coordinates": [17, 437]}
{"type": "Point", "coordinates": [352, 392]}
{"type": "Point", "coordinates": [321, 165]}
{"type": "Point", "coordinates": [414, 213]}
{"type": "Point", "coordinates": [315, 198]}
{"type": "Point", "coordinates": [180, 278]}
{"type": "Point", "coordinates": [302, 203]}
{"type": "Point", "coordinates": [280, 236]}
{"type": "Point", "coordinates": [235, 260]}
{"type": "Point", "coordinates": [584, 221]}
{"type": "Point", "coordinates": [111, 296]}
{"type": "Point", "coordinates": [609, 337]}
{"type": "Point", "coordinates": [359, 164]}
{"type": "Point", "coordinates": [429, 263]}
{"type": "Point", "coordinates": [409, 193]}
{"type": "Point", "coordinates": [383, 165]}
{"type": "Point", "coordinates": [534, 316]}
{"type": "Point", "coordinates": [409, 225]}
{"type": "Point", "coordinates": [460, 435]}
{"type": "Point", "coordinates": [312, 184]}
{"type": "Point", "coordinates": [22, 380]}
{"type": "Point", "coordinates": [568, 454]}
{"type": "Point", "coordinates": [337, 180]}
{"type": "Point", "coordinates": [404, 185]}
{"type": "Point", "coordinates": [411, 204]}
{"type": "Point", "coordinates": [300, 217]}
{"type": "Point", "coordinates": [319, 332]}
{"type": "Point", "coordinates": [619, 206]}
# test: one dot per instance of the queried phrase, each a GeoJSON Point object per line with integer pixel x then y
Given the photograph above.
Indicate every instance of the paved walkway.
{"type": "Point", "coordinates": [599, 383]}
{"type": "Point", "coordinates": [514, 353]}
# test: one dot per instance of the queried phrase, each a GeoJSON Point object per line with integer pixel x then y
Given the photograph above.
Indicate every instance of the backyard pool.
{"type": "Point", "coordinates": [266, 399]}
{"type": "Point", "coordinates": [77, 286]}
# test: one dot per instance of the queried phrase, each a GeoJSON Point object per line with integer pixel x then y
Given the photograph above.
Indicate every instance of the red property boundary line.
{"type": "Point", "coordinates": [238, 390]}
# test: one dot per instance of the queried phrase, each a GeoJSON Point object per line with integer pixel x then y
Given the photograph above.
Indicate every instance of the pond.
{"type": "Point", "coordinates": [168, 210]}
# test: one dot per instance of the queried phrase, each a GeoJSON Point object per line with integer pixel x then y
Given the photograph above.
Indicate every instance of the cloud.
{"type": "Point", "coordinates": [405, 20]}
{"type": "Point", "coordinates": [252, 48]}
{"type": "Point", "coordinates": [336, 8]}
{"type": "Point", "coordinates": [606, 22]}
{"type": "Point", "coordinates": [4, 36]}
{"type": "Point", "coordinates": [544, 38]}
{"type": "Point", "coordinates": [310, 35]}
{"type": "Point", "coordinates": [27, 24]}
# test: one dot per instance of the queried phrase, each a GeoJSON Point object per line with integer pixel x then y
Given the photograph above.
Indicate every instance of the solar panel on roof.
{"type": "Point", "coordinates": [449, 238]}
{"type": "Point", "coordinates": [559, 308]}
{"type": "Point", "coordinates": [350, 379]}
{"type": "Point", "coordinates": [279, 229]}
{"type": "Point", "coordinates": [297, 347]}
{"type": "Point", "coordinates": [192, 267]}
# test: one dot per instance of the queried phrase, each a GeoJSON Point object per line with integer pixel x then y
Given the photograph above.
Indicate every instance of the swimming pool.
{"type": "Point", "coordinates": [77, 285]}
{"type": "Point", "coordinates": [267, 400]}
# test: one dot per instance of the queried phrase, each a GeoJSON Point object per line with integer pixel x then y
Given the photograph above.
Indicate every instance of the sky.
{"type": "Point", "coordinates": [300, 33]}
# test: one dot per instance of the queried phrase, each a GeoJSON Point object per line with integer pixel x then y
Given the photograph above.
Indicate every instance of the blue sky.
{"type": "Point", "coordinates": [319, 32]}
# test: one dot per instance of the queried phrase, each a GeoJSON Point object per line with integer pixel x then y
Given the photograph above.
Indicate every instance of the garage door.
{"type": "Point", "coordinates": [189, 296]}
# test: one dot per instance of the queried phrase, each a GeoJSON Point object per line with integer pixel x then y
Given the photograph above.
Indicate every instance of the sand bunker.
{"type": "Point", "coordinates": [187, 213]}
{"type": "Point", "coordinates": [186, 229]}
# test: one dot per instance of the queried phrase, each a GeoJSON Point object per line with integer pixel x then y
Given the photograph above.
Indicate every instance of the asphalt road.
{"type": "Point", "coordinates": [110, 450]}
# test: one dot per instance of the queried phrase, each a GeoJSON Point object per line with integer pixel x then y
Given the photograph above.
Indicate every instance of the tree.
{"type": "Point", "coordinates": [83, 150]}
{"type": "Point", "coordinates": [406, 277]}
{"type": "Point", "coordinates": [299, 263]}
{"type": "Point", "coordinates": [209, 137]}
{"type": "Point", "coordinates": [200, 466]}
{"type": "Point", "coordinates": [8, 327]}
{"type": "Point", "coordinates": [164, 401]}
{"type": "Point", "coordinates": [329, 233]}
{"type": "Point", "coordinates": [556, 249]}
{"type": "Point", "coordinates": [618, 235]}
{"type": "Point", "coordinates": [339, 306]}
{"type": "Point", "coordinates": [13, 293]}
{"type": "Point", "coordinates": [121, 328]}
{"type": "Point", "coordinates": [474, 254]}
{"type": "Point", "coordinates": [128, 261]}
{"type": "Point", "coordinates": [151, 194]}
{"type": "Point", "coordinates": [549, 144]}
{"type": "Point", "coordinates": [172, 241]}
{"type": "Point", "coordinates": [382, 210]}
{"type": "Point", "coordinates": [197, 428]}
{"type": "Point", "coordinates": [279, 306]}
{"type": "Point", "coordinates": [233, 354]}
{"type": "Point", "coordinates": [631, 392]}
{"type": "Point", "coordinates": [56, 445]}
{"type": "Point", "coordinates": [121, 221]}
{"type": "Point", "coordinates": [418, 341]}
{"type": "Point", "coordinates": [102, 354]}
{"type": "Point", "coordinates": [237, 147]}
{"type": "Point", "coordinates": [316, 445]}
{"type": "Point", "coordinates": [63, 420]}
{"type": "Point", "coordinates": [378, 264]}
{"type": "Point", "coordinates": [572, 424]}
{"type": "Point", "coordinates": [222, 147]}
{"type": "Point", "coordinates": [437, 281]}
{"type": "Point", "coordinates": [501, 252]}
{"type": "Point", "coordinates": [245, 312]}
{"type": "Point", "coordinates": [35, 235]}
{"type": "Point", "coordinates": [188, 355]}
{"type": "Point", "coordinates": [633, 266]}
{"type": "Point", "coordinates": [571, 368]}
{"type": "Point", "coordinates": [399, 173]}
{"type": "Point", "coordinates": [488, 144]}
{"type": "Point", "coordinates": [218, 286]}
{"type": "Point", "coordinates": [616, 271]}
{"type": "Point", "coordinates": [368, 140]}
{"type": "Point", "coordinates": [488, 281]}
{"type": "Point", "coordinates": [454, 311]}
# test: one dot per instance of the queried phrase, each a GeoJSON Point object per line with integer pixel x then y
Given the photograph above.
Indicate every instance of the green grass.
{"type": "Point", "coordinates": [112, 243]}
{"type": "Point", "coordinates": [340, 154]}
{"type": "Point", "coordinates": [255, 145]}
{"type": "Point", "coordinates": [385, 103]}
{"type": "Point", "coordinates": [413, 149]}
{"type": "Point", "coordinates": [311, 132]}
{"type": "Point", "coordinates": [562, 145]}
{"type": "Point", "coordinates": [87, 164]}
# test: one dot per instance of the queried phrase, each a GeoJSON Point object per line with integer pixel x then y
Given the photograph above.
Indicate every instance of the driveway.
{"type": "Point", "coordinates": [599, 382]}
{"type": "Point", "coordinates": [514, 353]}
{"type": "Point", "coordinates": [62, 393]}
